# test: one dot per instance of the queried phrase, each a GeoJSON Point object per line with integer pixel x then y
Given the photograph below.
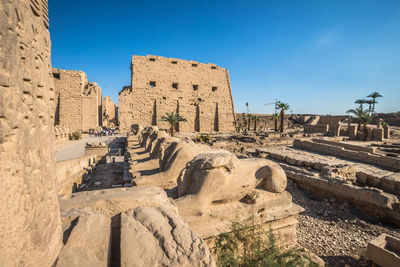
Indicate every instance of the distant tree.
{"type": "Point", "coordinates": [364, 117]}
{"type": "Point", "coordinates": [356, 112]}
{"type": "Point", "coordinates": [370, 103]}
{"type": "Point", "coordinates": [374, 96]}
{"type": "Point", "coordinates": [275, 116]}
{"type": "Point", "coordinates": [283, 106]}
{"type": "Point", "coordinates": [249, 118]}
{"type": "Point", "coordinates": [361, 102]}
{"type": "Point", "coordinates": [256, 119]}
{"type": "Point", "coordinates": [172, 118]}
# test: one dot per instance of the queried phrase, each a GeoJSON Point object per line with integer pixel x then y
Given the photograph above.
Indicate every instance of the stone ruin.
{"type": "Point", "coordinates": [199, 92]}
{"type": "Point", "coordinates": [78, 102]}
{"type": "Point", "coordinates": [109, 112]}
{"type": "Point", "coordinates": [30, 225]}
{"type": "Point", "coordinates": [62, 133]}
{"type": "Point", "coordinates": [97, 228]}
{"type": "Point", "coordinates": [206, 183]}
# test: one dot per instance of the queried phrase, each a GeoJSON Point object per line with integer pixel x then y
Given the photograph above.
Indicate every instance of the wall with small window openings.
{"type": "Point", "coordinates": [199, 92]}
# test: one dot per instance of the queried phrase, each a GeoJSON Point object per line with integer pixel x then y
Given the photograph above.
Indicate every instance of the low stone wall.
{"type": "Point", "coordinates": [372, 202]}
{"type": "Point", "coordinates": [71, 173]}
{"type": "Point", "coordinates": [98, 151]}
{"type": "Point", "coordinates": [383, 161]}
{"type": "Point", "coordinates": [318, 128]}
{"type": "Point", "coordinates": [346, 146]}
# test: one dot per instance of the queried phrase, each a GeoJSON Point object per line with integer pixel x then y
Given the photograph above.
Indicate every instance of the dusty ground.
{"type": "Point", "coordinates": [334, 230]}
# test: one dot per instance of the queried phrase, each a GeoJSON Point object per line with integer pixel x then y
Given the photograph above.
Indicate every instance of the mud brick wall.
{"type": "Point", "coordinates": [109, 112]}
{"type": "Point", "coordinates": [199, 92]}
{"type": "Point", "coordinates": [30, 225]}
{"type": "Point", "coordinates": [78, 102]}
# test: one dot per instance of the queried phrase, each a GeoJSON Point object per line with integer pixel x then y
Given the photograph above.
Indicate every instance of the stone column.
{"type": "Point", "coordinates": [30, 225]}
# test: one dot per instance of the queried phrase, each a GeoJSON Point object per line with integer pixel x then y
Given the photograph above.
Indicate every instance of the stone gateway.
{"type": "Point", "coordinates": [201, 93]}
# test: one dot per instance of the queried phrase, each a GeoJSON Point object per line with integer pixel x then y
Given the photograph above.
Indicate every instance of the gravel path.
{"type": "Point", "coordinates": [334, 230]}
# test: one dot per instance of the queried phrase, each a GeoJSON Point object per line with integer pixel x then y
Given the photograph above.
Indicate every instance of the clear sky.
{"type": "Point", "coordinates": [318, 56]}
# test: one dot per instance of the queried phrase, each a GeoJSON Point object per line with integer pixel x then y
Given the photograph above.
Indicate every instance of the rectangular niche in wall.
{"type": "Point", "coordinates": [175, 85]}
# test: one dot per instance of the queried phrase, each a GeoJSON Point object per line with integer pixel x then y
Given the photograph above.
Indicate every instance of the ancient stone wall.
{"type": "Point", "coordinates": [78, 102]}
{"type": "Point", "coordinates": [30, 226]}
{"type": "Point", "coordinates": [109, 112]}
{"type": "Point", "coordinates": [199, 92]}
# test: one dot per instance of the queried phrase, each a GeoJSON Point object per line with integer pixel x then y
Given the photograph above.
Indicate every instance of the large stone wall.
{"type": "Point", "coordinates": [78, 102]}
{"type": "Point", "coordinates": [30, 226]}
{"type": "Point", "coordinates": [199, 92]}
{"type": "Point", "coordinates": [109, 112]}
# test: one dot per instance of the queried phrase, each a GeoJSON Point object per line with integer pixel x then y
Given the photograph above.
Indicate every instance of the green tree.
{"type": "Point", "coordinates": [370, 103]}
{"type": "Point", "coordinates": [275, 116]}
{"type": "Point", "coordinates": [374, 96]}
{"type": "Point", "coordinates": [356, 112]}
{"type": "Point", "coordinates": [249, 118]}
{"type": "Point", "coordinates": [360, 102]}
{"type": "Point", "coordinates": [283, 107]}
{"type": "Point", "coordinates": [173, 119]}
{"type": "Point", "coordinates": [364, 117]}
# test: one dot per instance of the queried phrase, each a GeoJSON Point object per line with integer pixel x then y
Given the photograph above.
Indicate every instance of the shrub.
{"type": "Point", "coordinates": [248, 244]}
{"type": "Point", "coordinates": [75, 135]}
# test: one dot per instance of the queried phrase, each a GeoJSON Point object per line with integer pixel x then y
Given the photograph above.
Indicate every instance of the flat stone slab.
{"type": "Point", "coordinates": [155, 236]}
{"type": "Point", "coordinates": [116, 200]}
{"type": "Point", "coordinates": [87, 239]}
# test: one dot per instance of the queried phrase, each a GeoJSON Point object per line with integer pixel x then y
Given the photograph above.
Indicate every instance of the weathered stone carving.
{"type": "Point", "coordinates": [30, 227]}
{"type": "Point", "coordinates": [165, 240]}
{"type": "Point", "coordinates": [223, 178]}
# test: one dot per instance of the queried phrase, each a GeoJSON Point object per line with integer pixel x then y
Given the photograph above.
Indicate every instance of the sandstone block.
{"type": "Point", "coordinates": [88, 241]}
{"type": "Point", "coordinates": [158, 237]}
{"type": "Point", "coordinates": [384, 251]}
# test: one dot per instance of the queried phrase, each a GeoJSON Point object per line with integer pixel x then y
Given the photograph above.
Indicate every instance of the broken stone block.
{"type": "Point", "coordinates": [384, 251]}
{"type": "Point", "coordinates": [86, 239]}
{"type": "Point", "coordinates": [157, 237]}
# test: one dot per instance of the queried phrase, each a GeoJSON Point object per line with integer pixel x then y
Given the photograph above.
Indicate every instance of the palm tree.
{"type": "Point", "coordinates": [276, 117]}
{"type": "Point", "coordinates": [172, 118]}
{"type": "Point", "coordinates": [256, 119]}
{"type": "Point", "coordinates": [357, 113]}
{"type": "Point", "coordinates": [374, 96]}
{"type": "Point", "coordinates": [361, 102]}
{"type": "Point", "coordinates": [370, 103]}
{"type": "Point", "coordinates": [249, 118]}
{"type": "Point", "coordinates": [365, 118]}
{"type": "Point", "coordinates": [283, 106]}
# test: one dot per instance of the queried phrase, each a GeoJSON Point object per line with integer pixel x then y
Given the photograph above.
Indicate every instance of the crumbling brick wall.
{"type": "Point", "coordinates": [30, 225]}
{"type": "Point", "coordinates": [109, 112]}
{"type": "Point", "coordinates": [78, 102]}
{"type": "Point", "coordinates": [199, 92]}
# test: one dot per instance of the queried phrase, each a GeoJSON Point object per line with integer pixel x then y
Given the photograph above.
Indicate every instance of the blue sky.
{"type": "Point", "coordinates": [318, 56]}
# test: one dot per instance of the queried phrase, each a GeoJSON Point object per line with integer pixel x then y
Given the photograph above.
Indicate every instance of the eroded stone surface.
{"type": "Point", "coordinates": [87, 243]}
{"type": "Point", "coordinates": [157, 237]}
{"type": "Point", "coordinates": [116, 200]}
{"type": "Point", "coordinates": [30, 227]}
